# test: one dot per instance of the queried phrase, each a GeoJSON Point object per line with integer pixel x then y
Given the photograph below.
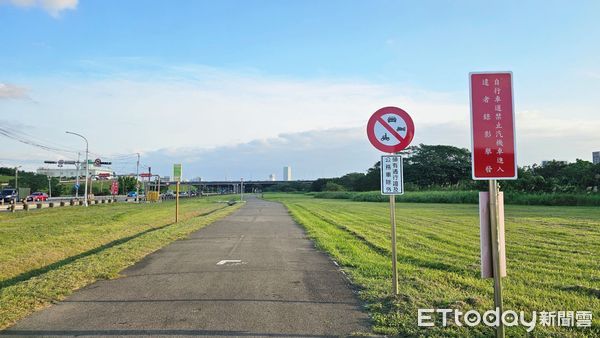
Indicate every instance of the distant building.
{"type": "Point", "coordinates": [72, 172]}
{"type": "Point", "coordinates": [559, 162]}
{"type": "Point", "coordinates": [287, 173]}
{"type": "Point", "coordinates": [596, 157]}
{"type": "Point", "coordinates": [272, 177]}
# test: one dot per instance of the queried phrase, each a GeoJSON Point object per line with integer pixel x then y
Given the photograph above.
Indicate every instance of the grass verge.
{"type": "Point", "coordinates": [467, 197]}
{"type": "Point", "coordinates": [47, 254]}
{"type": "Point", "coordinates": [552, 255]}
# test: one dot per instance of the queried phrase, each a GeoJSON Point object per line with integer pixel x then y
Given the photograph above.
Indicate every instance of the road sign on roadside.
{"type": "Point", "coordinates": [177, 178]}
{"type": "Point", "coordinates": [493, 158]}
{"type": "Point", "coordinates": [492, 126]}
{"type": "Point", "coordinates": [177, 172]}
{"type": "Point", "coordinates": [114, 188]}
{"type": "Point", "coordinates": [97, 162]}
{"type": "Point", "coordinates": [390, 129]}
{"type": "Point", "coordinates": [146, 175]}
{"type": "Point", "coordinates": [392, 182]}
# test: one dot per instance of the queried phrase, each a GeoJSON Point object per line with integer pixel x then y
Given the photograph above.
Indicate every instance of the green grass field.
{"type": "Point", "coordinates": [5, 178]}
{"type": "Point", "coordinates": [46, 254]}
{"type": "Point", "coordinates": [467, 197]}
{"type": "Point", "coordinates": [553, 260]}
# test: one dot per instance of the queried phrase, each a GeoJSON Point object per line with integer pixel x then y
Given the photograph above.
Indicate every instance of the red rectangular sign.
{"type": "Point", "coordinates": [114, 188]}
{"type": "Point", "coordinates": [492, 126]}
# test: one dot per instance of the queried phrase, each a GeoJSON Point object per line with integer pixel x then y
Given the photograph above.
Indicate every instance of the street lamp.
{"type": "Point", "coordinates": [87, 167]}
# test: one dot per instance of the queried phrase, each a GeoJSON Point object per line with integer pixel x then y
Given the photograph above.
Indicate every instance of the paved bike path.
{"type": "Point", "coordinates": [253, 273]}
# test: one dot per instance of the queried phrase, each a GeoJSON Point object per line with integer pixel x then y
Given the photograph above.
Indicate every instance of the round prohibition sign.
{"type": "Point", "coordinates": [390, 129]}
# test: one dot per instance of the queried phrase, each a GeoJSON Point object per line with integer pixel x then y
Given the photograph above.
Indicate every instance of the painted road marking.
{"type": "Point", "coordinates": [230, 261]}
{"type": "Point", "coordinates": [236, 245]}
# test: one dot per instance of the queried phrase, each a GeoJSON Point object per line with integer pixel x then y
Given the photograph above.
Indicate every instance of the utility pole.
{"type": "Point", "coordinates": [241, 189]}
{"type": "Point", "coordinates": [49, 186]}
{"type": "Point", "coordinates": [137, 179]}
{"type": "Point", "coordinates": [87, 166]}
{"type": "Point", "coordinates": [17, 182]}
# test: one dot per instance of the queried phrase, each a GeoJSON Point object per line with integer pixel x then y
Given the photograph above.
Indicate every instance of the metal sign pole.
{"type": "Point", "coordinates": [177, 203]}
{"type": "Point", "coordinates": [394, 256]}
{"type": "Point", "coordinates": [494, 221]}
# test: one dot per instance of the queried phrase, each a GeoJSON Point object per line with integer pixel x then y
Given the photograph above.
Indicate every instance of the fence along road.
{"type": "Point", "coordinates": [253, 273]}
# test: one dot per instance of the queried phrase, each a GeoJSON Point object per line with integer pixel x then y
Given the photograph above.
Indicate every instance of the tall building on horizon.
{"type": "Point", "coordinates": [287, 173]}
{"type": "Point", "coordinates": [596, 157]}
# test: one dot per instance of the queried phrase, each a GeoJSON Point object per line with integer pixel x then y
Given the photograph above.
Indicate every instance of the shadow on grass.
{"type": "Point", "coordinates": [39, 271]}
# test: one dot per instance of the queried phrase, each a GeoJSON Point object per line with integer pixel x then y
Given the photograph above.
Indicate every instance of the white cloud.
{"type": "Point", "coordinates": [11, 91]}
{"type": "Point", "coordinates": [201, 115]}
{"type": "Point", "coordinates": [54, 7]}
{"type": "Point", "coordinates": [207, 107]}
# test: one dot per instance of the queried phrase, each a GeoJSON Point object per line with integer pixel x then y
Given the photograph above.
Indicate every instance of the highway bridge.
{"type": "Point", "coordinates": [234, 186]}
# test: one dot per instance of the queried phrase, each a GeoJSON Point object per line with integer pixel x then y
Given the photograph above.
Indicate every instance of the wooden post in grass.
{"type": "Point", "coordinates": [497, 256]}
{"type": "Point", "coordinates": [394, 255]}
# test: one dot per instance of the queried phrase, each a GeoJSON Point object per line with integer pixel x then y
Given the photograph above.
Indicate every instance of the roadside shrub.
{"type": "Point", "coordinates": [467, 197]}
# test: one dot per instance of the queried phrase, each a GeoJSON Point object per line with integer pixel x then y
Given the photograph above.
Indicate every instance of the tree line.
{"type": "Point", "coordinates": [444, 167]}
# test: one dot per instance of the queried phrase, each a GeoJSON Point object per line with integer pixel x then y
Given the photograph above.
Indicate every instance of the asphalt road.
{"type": "Point", "coordinates": [254, 273]}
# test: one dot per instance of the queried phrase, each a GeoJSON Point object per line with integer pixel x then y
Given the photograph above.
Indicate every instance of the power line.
{"type": "Point", "coordinates": [24, 140]}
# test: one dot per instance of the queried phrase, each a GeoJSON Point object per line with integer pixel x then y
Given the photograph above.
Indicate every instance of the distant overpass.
{"type": "Point", "coordinates": [234, 186]}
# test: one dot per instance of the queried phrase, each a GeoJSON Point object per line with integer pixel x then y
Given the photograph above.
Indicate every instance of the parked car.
{"type": "Point", "coordinates": [132, 194]}
{"type": "Point", "coordinates": [37, 197]}
{"type": "Point", "coordinates": [8, 195]}
{"type": "Point", "coordinates": [169, 193]}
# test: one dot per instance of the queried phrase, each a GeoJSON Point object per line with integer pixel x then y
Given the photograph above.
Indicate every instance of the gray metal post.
{"type": "Point", "coordinates": [87, 167]}
{"type": "Point", "coordinates": [17, 183]}
{"type": "Point", "coordinates": [494, 220]}
{"type": "Point", "coordinates": [77, 178]}
{"type": "Point", "coordinates": [394, 255]}
{"type": "Point", "coordinates": [137, 179]}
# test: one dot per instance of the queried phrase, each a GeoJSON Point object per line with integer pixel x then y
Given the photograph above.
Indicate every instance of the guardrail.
{"type": "Point", "coordinates": [57, 202]}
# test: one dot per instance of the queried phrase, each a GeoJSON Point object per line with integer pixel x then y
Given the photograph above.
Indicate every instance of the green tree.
{"type": "Point", "coordinates": [319, 184]}
{"type": "Point", "coordinates": [332, 186]}
{"type": "Point", "coordinates": [436, 165]}
{"type": "Point", "coordinates": [351, 181]}
{"type": "Point", "coordinates": [127, 184]}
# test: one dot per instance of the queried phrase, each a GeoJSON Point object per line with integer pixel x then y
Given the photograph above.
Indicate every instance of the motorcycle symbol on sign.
{"type": "Point", "coordinates": [385, 137]}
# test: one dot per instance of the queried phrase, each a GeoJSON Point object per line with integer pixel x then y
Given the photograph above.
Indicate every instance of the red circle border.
{"type": "Point", "coordinates": [410, 129]}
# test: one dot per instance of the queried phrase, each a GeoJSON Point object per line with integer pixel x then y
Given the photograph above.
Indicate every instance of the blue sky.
{"type": "Point", "coordinates": [247, 57]}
